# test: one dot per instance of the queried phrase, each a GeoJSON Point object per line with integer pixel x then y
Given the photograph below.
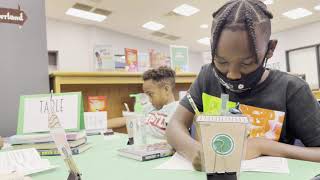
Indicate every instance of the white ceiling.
{"type": "Point", "coordinates": [129, 15]}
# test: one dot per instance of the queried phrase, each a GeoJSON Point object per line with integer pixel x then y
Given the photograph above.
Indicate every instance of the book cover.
{"type": "Point", "coordinates": [97, 103]}
{"type": "Point", "coordinates": [264, 122]}
{"type": "Point", "coordinates": [120, 62]}
{"type": "Point", "coordinates": [179, 58]}
{"type": "Point", "coordinates": [147, 152]}
{"type": "Point", "coordinates": [103, 55]}
{"type": "Point", "coordinates": [131, 59]}
{"type": "Point", "coordinates": [158, 59]}
{"type": "Point", "coordinates": [143, 62]}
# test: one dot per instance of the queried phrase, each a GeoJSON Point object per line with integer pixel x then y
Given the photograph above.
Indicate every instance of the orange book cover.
{"type": "Point", "coordinates": [131, 59]}
{"type": "Point", "coordinates": [264, 122]}
{"type": "Point", "coordinates": [97, 103]}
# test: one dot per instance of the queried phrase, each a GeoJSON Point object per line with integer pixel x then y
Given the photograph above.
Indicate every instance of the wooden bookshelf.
{"type": "Point", "coordinates": [116, 86]}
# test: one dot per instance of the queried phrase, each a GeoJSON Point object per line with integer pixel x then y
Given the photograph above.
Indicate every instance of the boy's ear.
{"type": "Point", "coordinates": [167, 88]}
{"type": "Point", "coordinates": [271, 47]}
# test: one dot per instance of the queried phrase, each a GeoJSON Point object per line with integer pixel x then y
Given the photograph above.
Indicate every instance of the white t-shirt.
{"type": "Point", "coordinates": [157, 120]}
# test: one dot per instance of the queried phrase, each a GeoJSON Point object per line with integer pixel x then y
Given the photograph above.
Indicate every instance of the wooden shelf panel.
{"type": "Point", "coordinates": [116, 86]}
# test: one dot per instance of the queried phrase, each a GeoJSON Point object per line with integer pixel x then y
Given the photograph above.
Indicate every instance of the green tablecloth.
{"type": "Point", "coordinates": [102, 162]}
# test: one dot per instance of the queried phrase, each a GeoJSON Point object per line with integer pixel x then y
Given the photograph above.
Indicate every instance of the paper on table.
{"type": "Point", "coordinates": [95, 120]}
{"type": "Point", "coordinates": [176, 162]}
{"type": "Point", "coordinates": [14, 176]}
{"type": "Point", "coordinates": [261, 164]}
{"type": "Point", "coordinates": [25, 161]}
{"type": "Point", "coordinates": [266, 164]}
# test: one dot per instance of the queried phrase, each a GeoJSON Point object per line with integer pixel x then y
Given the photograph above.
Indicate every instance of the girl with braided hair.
{"type": "Point", "coordinates": [241, 47]}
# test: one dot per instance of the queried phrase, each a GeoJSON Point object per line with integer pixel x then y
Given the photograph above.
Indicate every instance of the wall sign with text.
{"type": "Point", "coordinates": [13, 16]}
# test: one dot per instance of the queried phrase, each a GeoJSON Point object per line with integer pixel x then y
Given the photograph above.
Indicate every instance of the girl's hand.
{"type": "Point", "coordinates": [254, 148]}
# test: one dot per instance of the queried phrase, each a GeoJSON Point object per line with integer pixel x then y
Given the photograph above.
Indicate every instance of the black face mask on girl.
{"type": "Point", "coordinates": [247, 82]}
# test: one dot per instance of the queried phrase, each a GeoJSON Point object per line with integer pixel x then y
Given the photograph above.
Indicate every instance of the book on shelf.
{"type": "Point", "coordinates": [103, 55]}
{"type": "Point", "coordinates": [131, 59]}
{"type": "Point", "coordinates": [97, 103]}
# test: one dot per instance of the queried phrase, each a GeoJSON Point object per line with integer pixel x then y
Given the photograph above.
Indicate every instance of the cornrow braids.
{"type": "Point", "coordinates": [240, 14]}
{"type": "Point", "coordinates": [251, 31]}
{"type": "Point", "coordinates": [263, 8]}
{"type": "Point", "coordinates": [162, 75]}
{"type": "Point", "coordinates": [223, 13]}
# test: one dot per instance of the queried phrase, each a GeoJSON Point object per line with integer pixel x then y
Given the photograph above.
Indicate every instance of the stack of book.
{"type": "Point", "coordinates": [147, 152]}
{"type": "Point", "coordinates": [45, 145]}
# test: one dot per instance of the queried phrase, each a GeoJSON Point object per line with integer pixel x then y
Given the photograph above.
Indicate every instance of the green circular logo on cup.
{"type": "Point", "coordinates": [222, 144]}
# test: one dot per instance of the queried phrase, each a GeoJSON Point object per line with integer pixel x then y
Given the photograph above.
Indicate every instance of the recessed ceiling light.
{"type": "Point", "coordinates": [204, 41]}
{"type": "Point", "coordinates": [297, 13]}
{"type": "Point", "coordinates": [317, 8]}
{"type": "Point", "coordinates": [85, 15]}
{"type": "Point", "coordinates": [186, 10]}
{"type": "Point", "coordinates": [153, 26]}
{"type": "Point", "coordinates": [268, 2]}
{"type": "Point", "coordinates": [204, 26]}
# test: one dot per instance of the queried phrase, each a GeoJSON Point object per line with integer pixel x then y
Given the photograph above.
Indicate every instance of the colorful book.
{"type": "Point", "coordinates": [131, 59]}
{"type": "Point", "coordinates": [55, 152]}
{"type": "Point", "coordinates": [103, 55]}
{"type": "Point", "coordinates": [143, 62]}
{"type": "Point", "coordinates": [179, 58]}
{"type": "Point", "coordinates": [147, 152]}
{"type": "Point", "coordinates": [120, 62]}
{"type": "Point", "coordinates": [49, 145]}
{"type": "Point", "coordinates": [158, 59]}
{"type": "Point", "coordinates": [264, 122]}
{"type": "Point", "coordinates": [97, 103]}
{"type": "Point", "coordinates": [43, 137]}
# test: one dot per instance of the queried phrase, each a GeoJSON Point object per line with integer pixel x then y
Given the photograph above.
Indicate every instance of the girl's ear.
{"type": "Point", "coordinates": [271, 47]}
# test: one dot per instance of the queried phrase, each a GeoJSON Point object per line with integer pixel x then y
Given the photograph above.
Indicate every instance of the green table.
{"type": "Point", "coordinates": [102, 162]}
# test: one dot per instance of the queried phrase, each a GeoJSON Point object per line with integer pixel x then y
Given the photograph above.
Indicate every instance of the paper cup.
{"type": "Point", "coordinates": [130, 118]}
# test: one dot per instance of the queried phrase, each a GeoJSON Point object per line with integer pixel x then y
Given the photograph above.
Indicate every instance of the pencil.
{"type": "Point", "coordinates": [193, 105]}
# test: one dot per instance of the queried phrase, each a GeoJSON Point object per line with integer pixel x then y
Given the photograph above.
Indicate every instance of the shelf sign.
{"type": "Point", "coordinates": [13, 16]}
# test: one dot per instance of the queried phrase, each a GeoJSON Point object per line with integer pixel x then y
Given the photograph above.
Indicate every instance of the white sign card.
{"type": "Point", "coordinates": [33, 112]}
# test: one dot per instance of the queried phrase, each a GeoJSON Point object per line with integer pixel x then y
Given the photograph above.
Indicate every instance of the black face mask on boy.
{"type": "Point", "coordinates": [247, 82]}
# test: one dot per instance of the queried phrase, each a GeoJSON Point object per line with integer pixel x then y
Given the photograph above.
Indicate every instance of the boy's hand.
{"type": "Point", "coordinates": [254, 147]}
{"type": "Point", "coordinates": [1, 142]}
{"type": "Point", "coordinates": [196, 158]}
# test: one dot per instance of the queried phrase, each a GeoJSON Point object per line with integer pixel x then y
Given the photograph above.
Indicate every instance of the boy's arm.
{"type": "Point", "coordinates": [179, 138]}
{"type": "Point", "coordinates": [261, 146]}
{"type": "Point", "coordinates": [116, 123]}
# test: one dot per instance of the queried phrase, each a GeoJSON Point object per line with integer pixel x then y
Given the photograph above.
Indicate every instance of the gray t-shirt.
{"type": "Point", "coordinates": [280, 91]}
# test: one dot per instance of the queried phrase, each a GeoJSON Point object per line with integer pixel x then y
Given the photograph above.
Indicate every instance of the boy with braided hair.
{"type": "Point", "coordinates": [241, 46]}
